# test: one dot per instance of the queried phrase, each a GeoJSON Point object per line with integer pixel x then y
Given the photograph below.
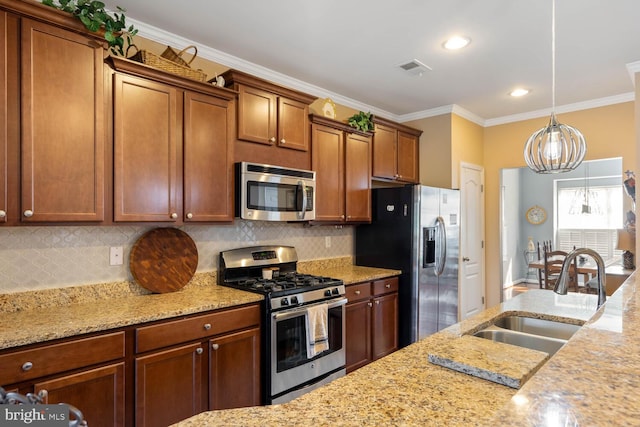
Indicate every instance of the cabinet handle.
{"type": "Point", "coordinates": [28, 213]}
{"type": "Point", "coordinates": [283, 141]}
{"type": "Point", "coordinates": [207, 326]}
{"type": "Point", "coordinates": [26, 366]}
{"type": "Point", "coordinates": [3, 214]}
{"type": "Point", "coordinates": [357, 292]}
{"type": "Point", "coordinates": [199, 350]}
{"type": "Point", "coordinates": [370, 305]}
{"type": "Point", "coordinates": [189, 215]}
{"type": "Point", "coordinates": [388, 285]}
{"type": "Point", "coordinates": [174, 215]}
{"type": "Point", "coordinates": [215, 346]}
{"type": "Point", "coordinates": [272, 139]}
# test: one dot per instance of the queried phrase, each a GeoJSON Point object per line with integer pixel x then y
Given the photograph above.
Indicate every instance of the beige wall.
{"type": "Point", "coordinates": [609, 132]}
{"type": "Point", "coordinates": [435, 150]}
{"type": "Point", "coordinates": [467, 146]}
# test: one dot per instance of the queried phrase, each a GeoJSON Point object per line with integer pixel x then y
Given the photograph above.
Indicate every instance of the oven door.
{"type": "Point", "coordinates": [291, 367]}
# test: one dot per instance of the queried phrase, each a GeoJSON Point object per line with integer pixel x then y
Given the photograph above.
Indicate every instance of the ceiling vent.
{"type": "Point", "coordinates": [415, 67]}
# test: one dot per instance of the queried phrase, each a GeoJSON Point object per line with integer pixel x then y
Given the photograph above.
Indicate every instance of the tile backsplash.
{"type": "Point", "coordinates": [44, 257]}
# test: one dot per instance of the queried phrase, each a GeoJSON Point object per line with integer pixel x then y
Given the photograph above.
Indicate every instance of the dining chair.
{"type": "Point", "coordinates": [553, 261]}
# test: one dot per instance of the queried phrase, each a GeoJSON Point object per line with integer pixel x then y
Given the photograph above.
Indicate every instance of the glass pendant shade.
{"type": "Point", "coordinates": [555, 148]}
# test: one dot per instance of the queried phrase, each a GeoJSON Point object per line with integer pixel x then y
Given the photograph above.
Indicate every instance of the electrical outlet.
{"type": "Point", "coordinates": [116, 253]}
{"type": "Point", "coordinates": [327, 241]}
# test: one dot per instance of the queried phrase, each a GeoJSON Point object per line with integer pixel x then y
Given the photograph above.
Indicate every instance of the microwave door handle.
{"type": "Point", "coordinates": [303, 208]}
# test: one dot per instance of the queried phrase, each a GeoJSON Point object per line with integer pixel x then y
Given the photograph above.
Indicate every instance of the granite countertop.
{"type": "Point", "coordinates": [39, 316]}
{"type": "Point", "coordinates": [599, 364]}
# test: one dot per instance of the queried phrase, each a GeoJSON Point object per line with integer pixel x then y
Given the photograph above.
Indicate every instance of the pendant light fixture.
{"type": "Point", "coordinates": [556, 147]}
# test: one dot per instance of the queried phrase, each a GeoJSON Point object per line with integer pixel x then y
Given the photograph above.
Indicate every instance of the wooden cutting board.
{"type": "Point", "coordinates": [163, 260]}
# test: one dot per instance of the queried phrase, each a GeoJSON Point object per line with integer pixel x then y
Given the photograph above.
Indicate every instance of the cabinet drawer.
{"type": "Point", "coordinates": [385, 286]}
{"type": "Point", "coordinates": [358, 291]}
{"type": "Point", "coordinates": [56, 358]}
{"type": "Point", "coordinates": [194, 328]}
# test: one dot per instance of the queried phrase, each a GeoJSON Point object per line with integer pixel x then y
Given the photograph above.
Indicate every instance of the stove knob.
{"type": "Point", "coordinates": [284, 301]}
{"type": "Point", "coordinates": [335, 291]}
{"type": "Point", "coordinates": [294, 300]}
{"type": "Point", "coordinates": [327, 293]}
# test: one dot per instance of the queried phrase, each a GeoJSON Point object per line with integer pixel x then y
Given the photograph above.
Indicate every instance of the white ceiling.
{"type": "Point", "coordinates": [350, 50]}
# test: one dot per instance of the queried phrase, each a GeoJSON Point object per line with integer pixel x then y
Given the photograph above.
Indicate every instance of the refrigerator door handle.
{"type": "Point", "coordinates": [441, 245]}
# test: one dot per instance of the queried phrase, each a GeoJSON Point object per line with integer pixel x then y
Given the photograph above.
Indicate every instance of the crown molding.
{"type": "Point", "coordinates": [568, 108]}
{"type": "Point", "coordinates": [164, 37]}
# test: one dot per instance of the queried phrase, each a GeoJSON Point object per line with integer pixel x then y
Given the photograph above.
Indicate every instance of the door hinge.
{"type": "Point", "coordinates": [482, 300]}
{"type": "Point", "coordinates": [482, 188]}
{"type": "Point", "coordinates": [482, 244]}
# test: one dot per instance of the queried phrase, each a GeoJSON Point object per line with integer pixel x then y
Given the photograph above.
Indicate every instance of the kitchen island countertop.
{"type": "Point", "coordinates": [592, 380]}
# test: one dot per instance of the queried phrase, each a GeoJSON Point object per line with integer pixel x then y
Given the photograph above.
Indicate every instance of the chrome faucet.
{"type": "Point", "coordinates": [561, 284]}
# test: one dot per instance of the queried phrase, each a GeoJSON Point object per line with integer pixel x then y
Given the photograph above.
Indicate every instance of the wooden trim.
{"type": "Point", "coordinates": [332, 123]}
{"type": "Point", "coordinates": [234, 77]}
{"type": "Point", "coordinates": [141, 70]}
{"type": "Point", "coordinates": [398, 126]}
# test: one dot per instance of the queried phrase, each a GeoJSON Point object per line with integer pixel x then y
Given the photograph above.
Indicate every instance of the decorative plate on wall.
{"type": "Point", "coordinates": [329, 108]}
{"type": "Point", "coordinates": [536, 215]}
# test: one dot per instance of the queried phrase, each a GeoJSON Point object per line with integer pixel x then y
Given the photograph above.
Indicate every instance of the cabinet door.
{"type": "Point", "coordinates": [384, 152]}
{"type": "Point", "coordinates": [207, 159]}
{"type": "Point", "coordinates": [147, 150]}
{"type": "Point", "coordinates": [358, 178]}
{"type": "Point", "coordinates": [63, 125]}
{"type": "Point", "coordinates": [408, 157]}
{"type": "Point", "coordinates": [385, 325]}
{"type": "Point", "coordinates": [293, 124]}
{"type": "Point", "coordinates": [327, 159]}
{"type": "Point", "coordinates": [257, 115]}
{"type": "Point", "coordinates": [98, 394]}
{"type": "Point", "coordinates": [169, 386]}
{"type": "Point", "coordinates": [4, 115]}
{"type": "Point", "coordinates": [358, 334]}
{"type": "Point", "coordinates": [234, 370]}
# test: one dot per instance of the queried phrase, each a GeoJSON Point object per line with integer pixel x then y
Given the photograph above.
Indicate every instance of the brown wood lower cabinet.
{"type": "Point", "coordinates": [371, 321]}
{"type": "Point", "coordinates": [204, 362]}
{"type": "Point", "coordinates": [88, 373]}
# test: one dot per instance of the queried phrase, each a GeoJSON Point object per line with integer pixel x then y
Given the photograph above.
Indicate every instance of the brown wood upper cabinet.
{"type": "Point", "coordinates": [53, 123]}
{"type": "Point", "coordinates": [172, 147]}
{"type": "Point", "coordinates": [341, 157]}
{"type": "Point", "coordinates": [270, 117]}
{"type": "Point", "coordinates": [395, 151]}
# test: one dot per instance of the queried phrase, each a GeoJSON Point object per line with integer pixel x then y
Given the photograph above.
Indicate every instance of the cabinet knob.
{"type": "Point", "coordinates": [189, 215]}
{"type": "Point", "coordinates": [388, 285]}
{"type": "Point", "coordinates": [370, 305]}
{"type": "Point", "coordinates": [377, 302]}
{"type": "Point", "coordinates": [26, 366]}
{"type": "Point", "coordinates": [3, 214]}
{"type": "Point", "coordinates": [283, 141]}
{"type": "Point", "coordinates": [272, 139]}
{"type": "Point", "coordinates": [357, 292]}
{"type": "Point", "coordinates": [215, 346]}
{"type": "Point", "coordinates": [341, 216]}
{"type": "Point", "coordinates": [199, 350]}
{"type": "Point", "coordinates": [28, 213]}
{"type": "Point", "coordinates": [174, 215]}
{"type": "Point", "coordinates": [207, 326]}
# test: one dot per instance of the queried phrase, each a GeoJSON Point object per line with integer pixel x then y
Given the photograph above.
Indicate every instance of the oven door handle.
{"type": "Point", "coordinates": [298, 311]}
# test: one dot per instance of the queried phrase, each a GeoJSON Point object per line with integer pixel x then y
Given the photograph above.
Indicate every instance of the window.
{"type": "Point", "coordinates": [588, 216]}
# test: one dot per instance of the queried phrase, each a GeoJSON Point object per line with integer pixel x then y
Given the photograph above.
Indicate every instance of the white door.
{"type": "Point", "coordinates": [471, 287]}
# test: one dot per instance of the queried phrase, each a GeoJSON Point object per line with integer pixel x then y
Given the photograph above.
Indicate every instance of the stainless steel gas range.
{"type": "Point", "coordinates": [303, 328]}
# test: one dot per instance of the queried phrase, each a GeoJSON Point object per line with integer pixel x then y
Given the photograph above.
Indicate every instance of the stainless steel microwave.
{"type": "Point", "coordinates": [275, 193]}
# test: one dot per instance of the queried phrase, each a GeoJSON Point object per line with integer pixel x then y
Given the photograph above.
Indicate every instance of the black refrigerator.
{"type": "Point", "coordinates": [416, 229]}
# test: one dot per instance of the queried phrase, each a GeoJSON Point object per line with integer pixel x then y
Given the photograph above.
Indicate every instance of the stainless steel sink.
{"type": "Point", "coordinates": [542, 327]}
{"type": "Point", "coordinates": [537, 334]}
{"type": "Point", "coordinates": [534, 342]}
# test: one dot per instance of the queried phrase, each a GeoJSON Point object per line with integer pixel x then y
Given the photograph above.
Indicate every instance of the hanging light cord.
{"type": "Point", "coordinates": [553, 56]}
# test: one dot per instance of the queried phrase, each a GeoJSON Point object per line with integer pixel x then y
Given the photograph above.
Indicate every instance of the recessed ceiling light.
{"type": "Point", "coordinates": [457, 42]}
{"type": "Point", "coordinates": [519, 92]}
